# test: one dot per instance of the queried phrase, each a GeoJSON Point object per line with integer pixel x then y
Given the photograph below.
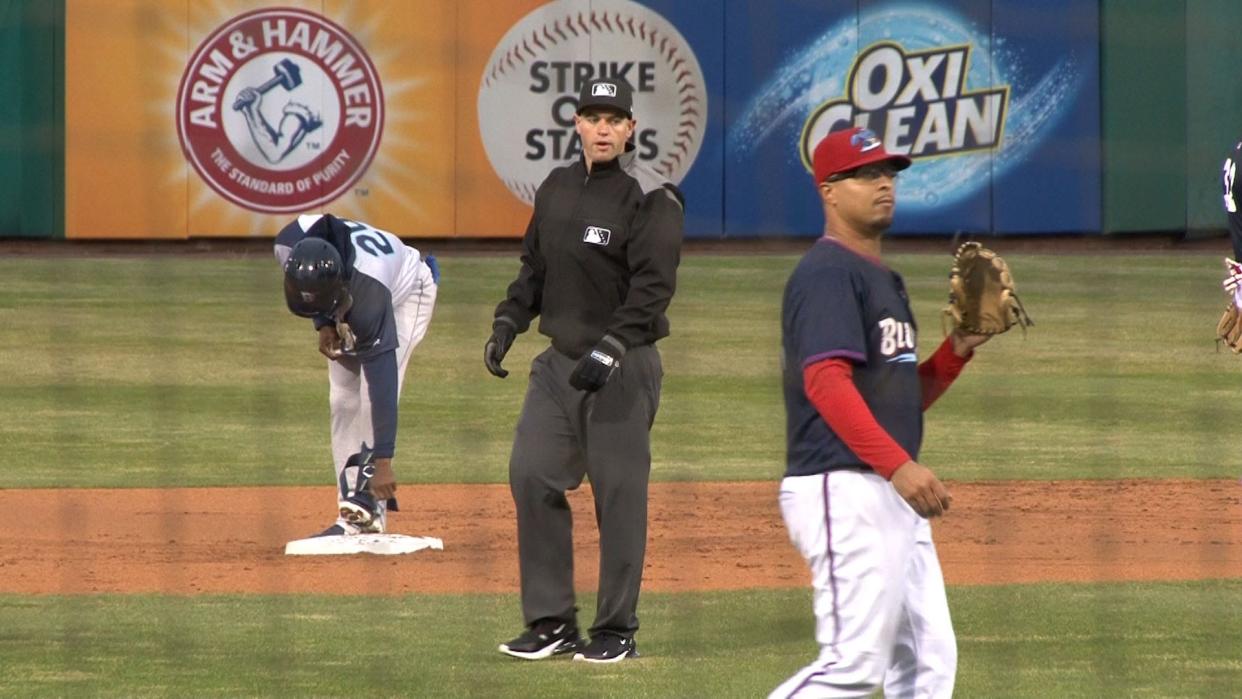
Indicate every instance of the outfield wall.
{"type": "Point", "coordinates": [32, 119]}
{"type": "Point", "coordinates": [438, 118]}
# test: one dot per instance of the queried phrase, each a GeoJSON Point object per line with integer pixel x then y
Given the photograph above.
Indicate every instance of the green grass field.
{"type": "Point", "coordinates": [1090, 641]}
{"type": "Point", "coordinates": [171, 372]}
{"type": "Point", "coordinates": [188, 371]}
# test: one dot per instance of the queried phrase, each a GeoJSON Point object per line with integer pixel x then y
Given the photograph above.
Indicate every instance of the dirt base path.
{"type": "Point", "coordinates": [703, 536]}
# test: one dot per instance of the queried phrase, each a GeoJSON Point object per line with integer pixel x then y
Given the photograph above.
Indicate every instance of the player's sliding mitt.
{"type": "Point", "coordinates": [1229, 329]}
{"type": "Point", "coordinates": [982, 300]}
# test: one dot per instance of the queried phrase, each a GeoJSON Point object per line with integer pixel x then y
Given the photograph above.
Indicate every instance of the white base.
{"type": "Point", "coordinates": [380, 544]}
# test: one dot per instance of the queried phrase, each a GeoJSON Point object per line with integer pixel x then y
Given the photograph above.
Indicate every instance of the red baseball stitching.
{"type": "Point", "coordinates": [525, 189]}
{"type": "Point", "coordinates": [551, 34]}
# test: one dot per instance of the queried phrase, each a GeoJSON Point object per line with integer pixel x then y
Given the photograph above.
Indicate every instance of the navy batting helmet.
{"type": "Point", "coordinates": [315, 279]}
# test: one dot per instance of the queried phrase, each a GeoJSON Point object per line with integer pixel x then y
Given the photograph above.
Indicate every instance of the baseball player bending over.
{"type": "Point", "coordinates": [370, 297]}
{"type": "Point", "coordinates": [854, 497]}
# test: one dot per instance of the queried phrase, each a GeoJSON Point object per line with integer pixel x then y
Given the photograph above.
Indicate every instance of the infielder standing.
{"type": "Point", "coordinates": [370, 297]}
{"type": "Point", "coordinates": [1233, 212]}
{"type": "Point", "coordinates": [854, 497]}
{"type": "Point", "coordinates": [599, 262]}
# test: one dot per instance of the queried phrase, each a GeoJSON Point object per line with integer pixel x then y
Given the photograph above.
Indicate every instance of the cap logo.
{"type": "Point", "coordinates": [604, 89]}
{"type": "Point", "coordinates": [865, 140]}
{"type": "Point", "coordinates": [307, 296]}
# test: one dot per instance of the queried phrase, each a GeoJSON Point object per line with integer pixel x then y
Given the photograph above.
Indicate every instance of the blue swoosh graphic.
{"type": "Point", "coordinates": [816, 73]}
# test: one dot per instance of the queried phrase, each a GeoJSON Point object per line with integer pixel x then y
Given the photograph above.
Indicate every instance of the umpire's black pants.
{"type": "Point", "coordinates": [562, 435]}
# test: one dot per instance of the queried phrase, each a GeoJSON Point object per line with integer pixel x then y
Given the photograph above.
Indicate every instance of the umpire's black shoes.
{"type": "Point", "coordinates": [544, 639]}
{"type": "Point", "coordinates": [608, 648]}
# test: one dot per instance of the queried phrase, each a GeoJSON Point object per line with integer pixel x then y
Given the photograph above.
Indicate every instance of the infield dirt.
{"type": "Point", "coordinates": [702, 536]}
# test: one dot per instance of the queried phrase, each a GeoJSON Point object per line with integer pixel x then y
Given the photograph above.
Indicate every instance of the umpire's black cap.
{"type": "Point", "coordinates": [613, 93]}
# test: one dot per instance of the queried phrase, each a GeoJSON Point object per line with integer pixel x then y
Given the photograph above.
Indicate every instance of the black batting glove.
{"type": "Point", "coordinates": [497, 347]}
{"type": "Point", "coordinates": [596, 367]}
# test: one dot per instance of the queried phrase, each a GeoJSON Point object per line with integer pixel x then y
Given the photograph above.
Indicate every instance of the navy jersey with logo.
{"type": "Point", "coordinates": [840, 304]}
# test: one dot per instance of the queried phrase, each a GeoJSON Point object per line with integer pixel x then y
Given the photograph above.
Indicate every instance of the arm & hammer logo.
{"type": "Point", "coordinates": [274, 121]}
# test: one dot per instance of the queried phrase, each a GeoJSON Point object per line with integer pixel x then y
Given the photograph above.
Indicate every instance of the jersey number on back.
{"type": "Point", "coordinates": [1230, 170]}
{"type": "Point", "coordinates": [370, 241]}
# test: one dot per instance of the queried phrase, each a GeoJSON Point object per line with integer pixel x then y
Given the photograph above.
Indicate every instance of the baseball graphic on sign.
{"type": "Point", "coordinates": [529, 89]}
{"type": "Point", "coordinates": [280, 110]}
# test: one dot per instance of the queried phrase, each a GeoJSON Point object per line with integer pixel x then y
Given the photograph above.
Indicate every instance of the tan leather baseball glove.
{"type": "Point", "coordinates": [1229, 329]}
{"type": "Point", "coordinates": [982, 300]}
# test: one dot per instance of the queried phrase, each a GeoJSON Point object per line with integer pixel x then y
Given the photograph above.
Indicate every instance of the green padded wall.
{"type": "Point", "coordinates": [1213, 104]}
{"type": "Point", "coordinates": [32, 118]}
{"type": "Point", "coordinates": [1143, 87]}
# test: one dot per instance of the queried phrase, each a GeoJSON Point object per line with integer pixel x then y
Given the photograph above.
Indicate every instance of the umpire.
{"type": "Point", "coordinates": [599, 262]}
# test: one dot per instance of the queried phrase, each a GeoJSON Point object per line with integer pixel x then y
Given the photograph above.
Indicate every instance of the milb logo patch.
{"type": "Point", "coordinates": [596, 235]}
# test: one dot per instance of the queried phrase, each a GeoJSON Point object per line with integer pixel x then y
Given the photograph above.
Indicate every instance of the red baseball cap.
{"type": "Point", "coordinates": [852, 148]}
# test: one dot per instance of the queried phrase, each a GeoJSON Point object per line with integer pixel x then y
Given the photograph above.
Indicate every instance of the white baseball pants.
{"type": "Point", "coordinates": [881, 615]}
{"type": "Point", "coordinates": [348, 398]}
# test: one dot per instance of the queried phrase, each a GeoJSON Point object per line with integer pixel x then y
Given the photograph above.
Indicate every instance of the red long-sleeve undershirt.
{"type": "Point", "coordinates": [830, 387]}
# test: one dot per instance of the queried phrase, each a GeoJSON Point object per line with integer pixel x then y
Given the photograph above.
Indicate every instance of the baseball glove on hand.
{"type": "Point", "coordinates": [1229, 329]}
{"type": "Point", "coordinates": [981, 293]}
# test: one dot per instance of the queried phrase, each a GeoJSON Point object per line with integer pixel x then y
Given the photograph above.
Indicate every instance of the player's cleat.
{"type": "Point", "coordinates": [363, 512]}
{"type": "Point", "coordinates": [375, 527]}
{"type": "Point", "coordinates": [608, 648]}
{"type": "Point", "coordinates": [334, 530]}
{"type": "Point", "coordinates": [544, 639]}
{"type": "Point", "coordinates": [339, 528]}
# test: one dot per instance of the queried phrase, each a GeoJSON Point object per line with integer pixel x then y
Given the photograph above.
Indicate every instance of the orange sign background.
{"type": "Point", "coordinates": [127, 177]}
{"type": "Point", "coordinates": [484, 205]}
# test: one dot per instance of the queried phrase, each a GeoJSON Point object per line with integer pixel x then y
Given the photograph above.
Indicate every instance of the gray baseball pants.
{"type": "Point", "coordinates": [563, 435]}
